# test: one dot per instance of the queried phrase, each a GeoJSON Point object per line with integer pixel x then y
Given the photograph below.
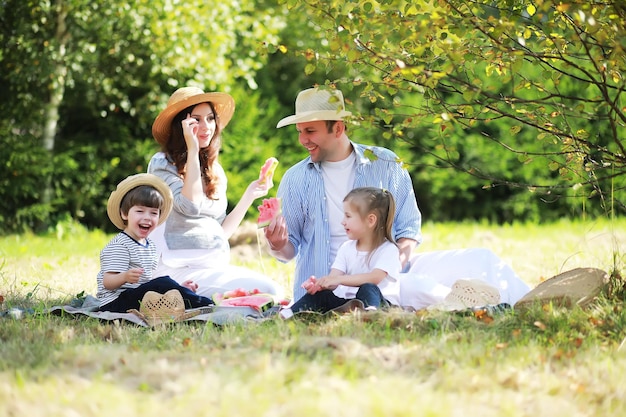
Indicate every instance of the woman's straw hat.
{"type": "Point", "coordinates": [134, 181]}
{"type": "Point", "coordinates": [315, 104]}
{"type": "Point", "coordinates": [577, 287]}
{"type": "Point", "coordinates": [185, 97]}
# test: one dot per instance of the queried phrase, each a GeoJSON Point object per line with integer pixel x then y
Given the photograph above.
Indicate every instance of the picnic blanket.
{"type": "Point", "coordinates": [218, 315]}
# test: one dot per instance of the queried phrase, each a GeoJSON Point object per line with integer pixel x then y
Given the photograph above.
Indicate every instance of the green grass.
{"type": "Point", "coordinates": [546, 361]}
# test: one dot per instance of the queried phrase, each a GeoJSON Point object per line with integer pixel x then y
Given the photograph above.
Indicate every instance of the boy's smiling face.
{"type": "Point", "coordinates": [141, 221]}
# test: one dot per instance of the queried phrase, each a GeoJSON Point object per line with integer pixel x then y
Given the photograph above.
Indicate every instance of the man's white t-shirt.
{"type": "Point", "coordinates": [337, 185]}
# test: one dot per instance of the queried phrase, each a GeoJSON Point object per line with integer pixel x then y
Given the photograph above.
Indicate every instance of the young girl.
{"type": "Point", "coordinates": [139, 204]}
{"type": "Point", "coordinates": [367, 266]}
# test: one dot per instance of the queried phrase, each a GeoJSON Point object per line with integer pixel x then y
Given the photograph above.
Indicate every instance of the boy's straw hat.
{"type": "Point", "coordinates": [116, 197]}
{"type": "Point", "coordinates": [185, 97]}
{"type": "Point", "coordinates": [315, 104]}
{"type": "Point", "coordinates": [158, 308]}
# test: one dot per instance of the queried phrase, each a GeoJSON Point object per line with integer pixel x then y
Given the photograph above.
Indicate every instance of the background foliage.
{"type": "Point", "coordinates": [523, 96]}
{"type": "Point", "coordinates": [501, 110]}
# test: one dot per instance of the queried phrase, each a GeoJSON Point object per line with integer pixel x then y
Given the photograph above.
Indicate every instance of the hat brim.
{"type": "Point", "coordinates": [313, 116]}
{"type": "Point", "coordinates": [156, 308]}
{"type": "Point", "coordinates": [115, 199]}
{"type": "Point", "coordinates": [579, 286]}
{"type": "Point", "coordinates": [223, 103]}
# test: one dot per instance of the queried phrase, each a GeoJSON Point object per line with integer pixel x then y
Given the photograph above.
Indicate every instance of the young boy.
{"type": "Point", "coordinates": [140, 203]}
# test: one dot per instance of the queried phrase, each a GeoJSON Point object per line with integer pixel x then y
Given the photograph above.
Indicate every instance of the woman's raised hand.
{"type": "Point", "coordinates": [258, 189]}
{"type": "Point", "coordinates": [190, 131]}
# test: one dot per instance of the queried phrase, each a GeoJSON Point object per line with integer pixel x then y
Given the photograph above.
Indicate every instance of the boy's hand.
{"type": "Point", "coordinates": [132, 275]}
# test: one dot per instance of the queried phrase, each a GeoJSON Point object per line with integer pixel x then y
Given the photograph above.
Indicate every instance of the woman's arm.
{"type": "Point", "coordinates": [255, 190]}
{"type": "Point", "coordinates": [192, 183]}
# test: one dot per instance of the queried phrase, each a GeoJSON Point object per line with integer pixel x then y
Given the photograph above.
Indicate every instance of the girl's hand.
{"type": "Point", "coordinates": [190, 285]}
{"type": "Point", "coordinates": [311, 285]}
{"type": "Point", "coordinates": [328, 282]}
{"type": "Point", "coordinates": [190, 132]}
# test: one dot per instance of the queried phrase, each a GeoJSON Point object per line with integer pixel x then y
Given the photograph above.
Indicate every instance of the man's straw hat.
{"type": "Point", "coordinates": [185, 97]}
{"type": "Point", "coordinates": [134, 181]}
{"type": "Point", "coordinates": [315, 104]}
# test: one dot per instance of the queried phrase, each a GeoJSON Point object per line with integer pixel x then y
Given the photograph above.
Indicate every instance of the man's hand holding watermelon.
{"type": "Point", "coordinates": [271, 219]}
{"type": "Point", "coordinates": [268, 211]}
{"type": "Point", "coordinates": [271, 207]}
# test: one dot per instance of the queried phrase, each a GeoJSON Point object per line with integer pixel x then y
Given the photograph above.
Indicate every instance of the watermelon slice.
{"type": "Point", "coordinates": [260, 302]}
{"type": "Point", "coordinates": [268, 168]}
{"type": "Point", "coordinates": [270, 208]}
{"type": "Point", "coordinates": [218, 297]}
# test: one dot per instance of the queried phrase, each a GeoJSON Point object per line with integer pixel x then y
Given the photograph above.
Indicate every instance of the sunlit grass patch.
{"type": "Point", "coordinates": [547, 360]}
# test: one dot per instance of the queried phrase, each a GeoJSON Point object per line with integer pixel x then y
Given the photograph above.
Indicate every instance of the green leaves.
{"type": "Point", "coordinates": [519, 69]}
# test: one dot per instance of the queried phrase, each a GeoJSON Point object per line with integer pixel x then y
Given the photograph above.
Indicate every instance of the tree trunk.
{"type": "Point", "coordinates": [56, 92]}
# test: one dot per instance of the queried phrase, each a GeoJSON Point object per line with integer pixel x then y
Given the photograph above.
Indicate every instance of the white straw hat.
{"type": "Point", "coordinates": [468, 293]}
{"type": "Point", "coordinates": [316, 104]}
{"type": "Point", "coordinates": [134, 181]}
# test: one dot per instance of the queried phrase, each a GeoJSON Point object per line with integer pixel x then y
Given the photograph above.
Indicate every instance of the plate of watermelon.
{"type": "Point", "coordinates": [241, 298]}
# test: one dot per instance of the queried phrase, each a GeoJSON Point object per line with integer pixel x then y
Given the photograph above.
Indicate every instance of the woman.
{"type": "Point", "coordinates": [193, 242]}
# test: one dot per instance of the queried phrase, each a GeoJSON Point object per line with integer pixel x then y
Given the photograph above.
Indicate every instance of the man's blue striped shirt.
{"type": "Point", "coordinates": [305, 209]}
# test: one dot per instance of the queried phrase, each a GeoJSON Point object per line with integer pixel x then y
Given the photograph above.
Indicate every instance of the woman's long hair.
{"type": "Point", "coordinates": [176, 149]}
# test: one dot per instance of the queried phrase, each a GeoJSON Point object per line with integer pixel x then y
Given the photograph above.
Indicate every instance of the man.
{"type": "Point", "coordinates": [312, 191]}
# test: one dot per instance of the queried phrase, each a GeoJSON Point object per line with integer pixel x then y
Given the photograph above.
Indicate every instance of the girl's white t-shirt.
{"type": "Point", "coordinates": [386, 258]}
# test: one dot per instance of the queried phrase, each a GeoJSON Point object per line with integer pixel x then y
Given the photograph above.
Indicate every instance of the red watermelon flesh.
{"type": "Point", "coordinates": [218, 297]}
{"type": "Point", "coordinates": [260, 302]}
{"type": "Point", "coordinates": [268, 168]}
{"type": "Point", "coordinates": [270, 208]}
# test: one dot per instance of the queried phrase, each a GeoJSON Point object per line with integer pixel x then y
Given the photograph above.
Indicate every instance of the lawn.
{"type": "Point", "coordinates": [561, 362]}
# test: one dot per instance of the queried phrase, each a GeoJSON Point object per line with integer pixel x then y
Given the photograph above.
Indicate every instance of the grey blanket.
{"type": "Point", "coordinates": [219, 316]}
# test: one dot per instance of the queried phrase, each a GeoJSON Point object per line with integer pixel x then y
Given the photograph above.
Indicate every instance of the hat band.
{"type": "Point", "coordinates": [314, 115]}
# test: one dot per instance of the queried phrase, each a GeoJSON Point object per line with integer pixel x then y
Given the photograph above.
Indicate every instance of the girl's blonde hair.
{"type": "Point", "coordinates": [377, 201]}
